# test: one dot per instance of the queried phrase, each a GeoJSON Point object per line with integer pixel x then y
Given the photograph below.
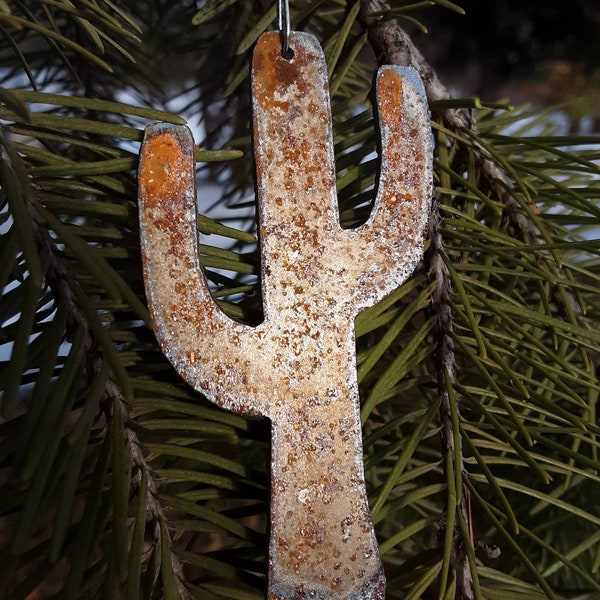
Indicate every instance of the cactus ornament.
{"type": "Point", "coordinates": [297, 367]}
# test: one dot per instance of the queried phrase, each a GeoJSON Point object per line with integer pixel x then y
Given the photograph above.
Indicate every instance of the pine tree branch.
{"type": "Point", "coordinates": [154, 510]}
{"type": "Point", "coordinates": [445, 360]}
{"type": "Point", "coordinates": [392, 45]}
{"type": "Point", "coordinates": [59, 281]}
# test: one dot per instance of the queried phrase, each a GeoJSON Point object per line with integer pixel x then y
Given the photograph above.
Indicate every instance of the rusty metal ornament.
{"type": "Point", "coordinates": [298, 366]}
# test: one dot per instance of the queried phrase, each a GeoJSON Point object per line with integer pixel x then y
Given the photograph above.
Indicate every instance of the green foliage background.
{"type": "Point", "coordinates": [478, 376]}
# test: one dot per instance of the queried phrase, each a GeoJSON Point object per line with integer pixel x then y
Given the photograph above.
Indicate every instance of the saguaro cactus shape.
{"type": "Point", "coordinates": [298, 366]}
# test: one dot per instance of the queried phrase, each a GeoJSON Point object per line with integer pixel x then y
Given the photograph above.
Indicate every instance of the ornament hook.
{"type": "Point", "coordinates": [284, 26]}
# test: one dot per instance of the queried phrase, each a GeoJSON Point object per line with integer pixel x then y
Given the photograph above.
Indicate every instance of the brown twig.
{"type": "Point", "coordinates": [393, 46]}
{"type": "Point", "coordinates": [445, 360]}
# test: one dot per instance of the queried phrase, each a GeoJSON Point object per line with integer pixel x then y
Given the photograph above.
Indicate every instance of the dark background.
{"type": "Point", "coordinates": [542, 52]}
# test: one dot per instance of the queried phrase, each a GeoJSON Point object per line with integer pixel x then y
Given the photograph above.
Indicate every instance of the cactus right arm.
{"type": "Point", "coordinates": [391, 242]}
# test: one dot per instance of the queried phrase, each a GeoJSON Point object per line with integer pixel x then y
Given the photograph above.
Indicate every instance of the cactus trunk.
{"type": "Point", "coordinates": [322, 542]}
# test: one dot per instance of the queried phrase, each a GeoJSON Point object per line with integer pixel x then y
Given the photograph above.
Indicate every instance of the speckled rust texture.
{"type": "Point", "coordinates": [298, 366]}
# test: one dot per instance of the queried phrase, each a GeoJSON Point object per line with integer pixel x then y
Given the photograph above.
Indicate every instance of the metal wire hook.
{"type": "Point", "coordinates": [284, 26]}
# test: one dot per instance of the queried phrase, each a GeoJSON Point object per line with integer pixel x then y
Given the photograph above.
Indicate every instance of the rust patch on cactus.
{"type": "Point", "coordinates": [163, 172]}
{"type": "Point", "coordinates": [298, 366]}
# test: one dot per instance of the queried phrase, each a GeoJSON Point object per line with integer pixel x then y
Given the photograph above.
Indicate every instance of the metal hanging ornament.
{"type": "Point", "coordinates": [298, 367]}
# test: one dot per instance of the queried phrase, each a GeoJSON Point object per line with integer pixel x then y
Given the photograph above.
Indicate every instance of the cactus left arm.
{"type": "Point", "coordinates": [196, 336]}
